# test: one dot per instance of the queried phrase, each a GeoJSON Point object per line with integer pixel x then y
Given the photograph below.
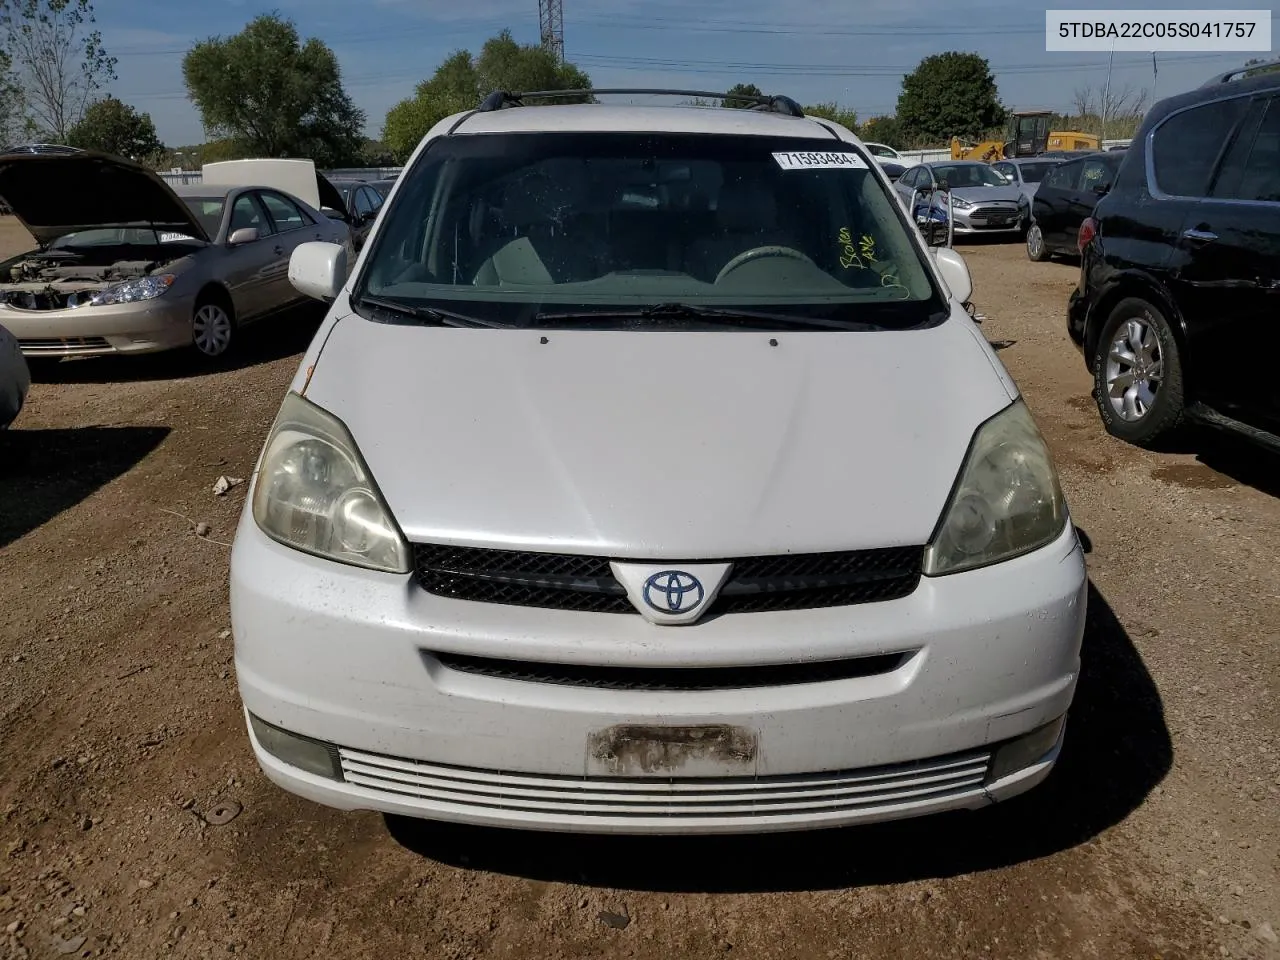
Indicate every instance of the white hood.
{"type": "Point", "coordinates": [661, 445]}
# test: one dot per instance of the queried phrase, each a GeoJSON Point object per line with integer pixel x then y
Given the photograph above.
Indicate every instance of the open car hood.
{"type": "Point", "coordinates": [329, 196]}
{"type": "Point", "coordinates": [59, 193]}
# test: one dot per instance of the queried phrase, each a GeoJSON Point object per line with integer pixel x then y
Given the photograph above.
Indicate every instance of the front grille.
{"type": "Point", "coordinates": [586, 583]}
{"type": "Point", "coordinates": [56, 345]}
{"type": "Point", "coordinates": [673, 678]}
{"type": "Point", "coordinates": [988, 213]}
{"type": "Point", "coordinates": [658, 800]}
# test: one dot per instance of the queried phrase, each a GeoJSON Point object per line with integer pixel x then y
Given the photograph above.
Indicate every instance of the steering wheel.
{"type": "Point", "coordinates": [755, 253]}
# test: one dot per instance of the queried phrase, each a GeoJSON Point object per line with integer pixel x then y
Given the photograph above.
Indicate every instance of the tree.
{"type": "Point", "coordinates": [14, 123]}
{"type": "Point", "coordinates": [1123, 101]}
{"type": "Point", "coordinates": [949, 95]}
{"type": "Point", "coordinates": [886, 130]}
{"type": "Point", "coordinates": [463, 80]}
{"type": "Point", "coordinates": [835, 113]}
{"type": "Point", "coordinates": [112, 126]}
{"type": "Point", "coordinates": [375, 153]}
{"type": "Point", "coordinates": [274, 94]}
{"type": "Point", "coordinates": [58, 59]}
{"type": "Point", "coordinates": [741, 90]}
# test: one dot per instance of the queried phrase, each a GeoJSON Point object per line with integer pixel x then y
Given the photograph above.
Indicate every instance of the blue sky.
{"type": "Point", "coordinates": [850, 51]}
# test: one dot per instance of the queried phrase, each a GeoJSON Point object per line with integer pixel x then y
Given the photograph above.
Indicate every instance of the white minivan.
{"type": "Point", "coordinates": [647, 475]}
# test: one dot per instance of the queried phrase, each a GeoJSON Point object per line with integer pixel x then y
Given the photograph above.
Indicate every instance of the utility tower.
{"type": "Point", "coordinates": [551, 26]}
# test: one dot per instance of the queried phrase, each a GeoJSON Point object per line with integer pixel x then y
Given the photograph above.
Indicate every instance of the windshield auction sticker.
{"type": "Point", "coordinates": [1158, 31]}
{"type": "Point", "coordinates": [819, 161]}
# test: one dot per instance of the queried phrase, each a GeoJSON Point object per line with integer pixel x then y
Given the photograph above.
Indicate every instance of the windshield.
{"type": "Point", "coordinates": [1035, 172]}
{"type": "Point", "coordinates": [969, 175]}
{"type": "Point", "coordinates": [108, 237]}
{"type": "Point", "coordinates": [208, 211]}
{"type": "Point", "coordinates": [505, 226]}
{"type": "Point", "coordinates": [880, 151]}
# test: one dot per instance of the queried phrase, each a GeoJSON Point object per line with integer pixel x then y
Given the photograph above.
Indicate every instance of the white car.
{"type": "Point", "coordinates": [15, 378]}
{"type": "Point", "coordinates": [882, 151]}
{"type": "Point", "coordinates": [647, 476]}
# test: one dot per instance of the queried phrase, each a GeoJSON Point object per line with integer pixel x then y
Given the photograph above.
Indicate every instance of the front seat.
{"type": "Point", "coordinates": [746, 217]}
{"type": "Point", "coordinates": [545, 248]}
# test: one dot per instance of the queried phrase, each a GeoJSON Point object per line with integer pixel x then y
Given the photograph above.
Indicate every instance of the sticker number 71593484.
{"type": "Point", "coordinates": [814, 160]}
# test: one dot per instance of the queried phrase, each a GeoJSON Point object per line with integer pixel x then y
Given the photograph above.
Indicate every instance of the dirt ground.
{"type": "Point", "coordinates": [121, 734]}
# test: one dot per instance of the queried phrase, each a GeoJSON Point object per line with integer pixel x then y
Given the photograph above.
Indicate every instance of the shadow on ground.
{"type": "Point", "coordinates": [44, 472]}
{"type": "Point", "coordinates": [1243, 462]}
{"type": "Point", "coordinates": [270, 339]}
{"type": "Point", "coordinates": [1117, 750]}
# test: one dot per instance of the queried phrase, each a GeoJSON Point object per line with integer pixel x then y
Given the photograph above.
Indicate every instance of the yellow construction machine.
{"type": "Point", "coordinates": [1028, 136]}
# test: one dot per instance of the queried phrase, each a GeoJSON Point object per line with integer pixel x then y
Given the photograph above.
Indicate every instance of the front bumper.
{"type": "Point", "coordinates": [967, 226]}
{"type": "Point", "coordinates": [342, 656]}
{"type": "Point", "coordinates": [145, 326]}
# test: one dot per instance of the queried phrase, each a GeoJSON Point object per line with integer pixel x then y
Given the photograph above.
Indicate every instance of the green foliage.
{"type": "Point", "coordinates": [886, 130]}
{"type": "Point", "coordinates": [949, 95]}
{"type": "Point", "coordinates": [375, 153]}
{"type": "Point", "coordinates": [53, 63]}
{"type": "Point", "coordinates": [112, 126]}
{"type": "Point", "coordinates": [741, 90]}
{"type": "Point", "coordinates": [462, 81]}
{"type": "Point", "coordinates": [274, 94]}
{"type": "Point", "coordinates": [835, 113]}
{"type": "Point", "coordinates": [194, 156]}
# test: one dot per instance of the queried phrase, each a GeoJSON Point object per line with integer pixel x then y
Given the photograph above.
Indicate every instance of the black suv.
{"type": "Point", "coordinates": [1178, 306]}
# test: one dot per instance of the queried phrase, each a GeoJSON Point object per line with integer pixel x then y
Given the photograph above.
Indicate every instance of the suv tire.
{"type": "Point", "coordinates": [1138, 357]}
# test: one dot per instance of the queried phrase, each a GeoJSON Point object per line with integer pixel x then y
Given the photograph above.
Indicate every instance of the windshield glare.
{"type": "Point", "coordinates": [1034, 172]}
{"type": "Point", "coordinates": [970, 175]}
{"type": "Point", "coordinates": [110, 237]}
{"type": "Point", "coordinates": [503, 224]}
{"type": "Point", "coordinates": [208, 211]}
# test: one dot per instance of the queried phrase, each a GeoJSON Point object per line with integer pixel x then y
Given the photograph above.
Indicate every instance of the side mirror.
{"type": "Point", "coordinates": [318, 269]}
{"type": "Point", "coordinates": [944, 186]}
{"type": "Point", "coordinates": [1102, 189]}
{"type": "Point", "coordinates": [955, 272]}
{"type": "Point", "coordinates": [242, 236]}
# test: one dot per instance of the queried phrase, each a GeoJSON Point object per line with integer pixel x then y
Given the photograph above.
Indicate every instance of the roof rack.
{"type": "Point", "coordinates": [1242, 72]}
{"type": "Point", "coordinates": [500, 99]}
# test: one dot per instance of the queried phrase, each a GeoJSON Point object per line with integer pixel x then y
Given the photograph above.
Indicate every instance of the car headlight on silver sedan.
{"type": "Point", "coordinates": [1006, 502]}
{"type": "Point", "coordinates": [130, 291]}
{"type": "Point", "coordinates": [960, 203]}
{"type": "Point", "coordinates": [314, 493]}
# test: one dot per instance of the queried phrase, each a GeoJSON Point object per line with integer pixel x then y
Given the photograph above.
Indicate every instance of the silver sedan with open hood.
{"type": "Point", "coordinates": [127, 265]}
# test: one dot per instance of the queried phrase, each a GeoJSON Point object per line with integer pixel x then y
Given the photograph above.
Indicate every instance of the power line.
{"type": "Point", "coordinates": [832, 70]}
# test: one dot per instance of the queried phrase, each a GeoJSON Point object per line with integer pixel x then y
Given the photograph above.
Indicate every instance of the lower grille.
{"type": "Point", "coordinates": [673, 678]}
{"type": "Point", "coordinates": [849, 791]}
{"type": "Point", "coordinates": [986, 214]}
{"type": "Point", "coordinates": [586, 583]}
{"type": "Point", "coordinates": [62, 344]}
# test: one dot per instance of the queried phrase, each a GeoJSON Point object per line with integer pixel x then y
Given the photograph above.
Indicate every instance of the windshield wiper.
{"type": "Point", "coordinates": [688, 311]}
{"type": "Point", "coordinates": [446, 318]}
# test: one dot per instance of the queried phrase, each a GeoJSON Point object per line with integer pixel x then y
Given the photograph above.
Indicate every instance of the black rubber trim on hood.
{"type": "Point", "coordinates": [54, 194]}
{"type": "Point", "coordinates": [330, 197]}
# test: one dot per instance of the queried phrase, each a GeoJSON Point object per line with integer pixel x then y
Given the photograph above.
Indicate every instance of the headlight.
{"type": "Point", "coordinates": [960, 203]}
{"type": "Point", "coordinates": [1006, 502]}
{"type": "Point", "coordinates": [314, 493]}
{"type": "Point", "coordinates": [144, 288]}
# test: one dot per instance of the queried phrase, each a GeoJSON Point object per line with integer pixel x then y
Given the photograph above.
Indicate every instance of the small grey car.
{"type": "Point", "coordinates": [127, 264]}
{"type": "Point", "coordinates": [982, 200]}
